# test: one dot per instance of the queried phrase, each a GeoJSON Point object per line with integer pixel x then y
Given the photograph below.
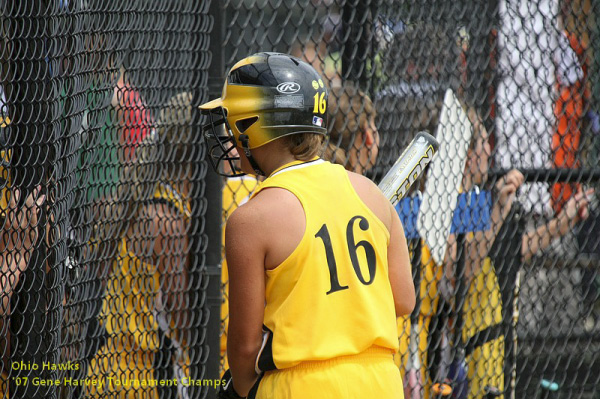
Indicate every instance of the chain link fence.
{"type": "Point", "coordinates": [504, 85]}
{"type": "Point", "coordinates": [103, 205]}
{"type": "Point", "coordinates": [110, 219]}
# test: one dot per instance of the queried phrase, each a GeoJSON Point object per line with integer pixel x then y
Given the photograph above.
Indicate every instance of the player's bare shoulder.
{"type": "Point", "coordinates": [239, 227]}
{"type": "Point", "coordinates": [245, 218]}
{"type": "Point", "coordinates": [273, 220]}
{"type": "Point", "coordinates": [372, 196]}
{"type": "Point", "coordinates": [270, 203]}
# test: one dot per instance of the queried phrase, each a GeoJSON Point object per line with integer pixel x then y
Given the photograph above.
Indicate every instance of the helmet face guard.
{"type": "Point", "coordinates": [222, 144]}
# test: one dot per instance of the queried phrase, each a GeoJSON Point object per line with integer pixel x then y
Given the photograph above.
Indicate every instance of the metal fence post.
{"type": "Point", "coordinates": [357, 29]}
{"type": "Point", "coordinates": [214, 195]}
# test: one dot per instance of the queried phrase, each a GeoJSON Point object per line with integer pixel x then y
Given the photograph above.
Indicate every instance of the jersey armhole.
{"type": "Point", "coordinates": [304, 234]}
{"type": "Point", "coordinates": [368, 210]}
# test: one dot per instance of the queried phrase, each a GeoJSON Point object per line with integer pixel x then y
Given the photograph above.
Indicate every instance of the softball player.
{"type": "Point", "coordinates": [143, 320]}
{"type": "Point", "coordinates": [317, 257]}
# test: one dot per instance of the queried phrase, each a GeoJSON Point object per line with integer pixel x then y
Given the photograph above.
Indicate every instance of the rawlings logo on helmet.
{"type": "Point", "coordinates": [288, 87]}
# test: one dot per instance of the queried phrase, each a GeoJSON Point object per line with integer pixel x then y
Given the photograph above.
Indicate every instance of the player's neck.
{"type": "Point", "coordinates": [272, 156]}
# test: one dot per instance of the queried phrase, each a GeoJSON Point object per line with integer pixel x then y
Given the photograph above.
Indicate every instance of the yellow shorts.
{"type": "Point", "coordinates": [371, 374]}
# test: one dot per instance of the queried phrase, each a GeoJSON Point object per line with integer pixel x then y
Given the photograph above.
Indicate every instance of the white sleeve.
{"type": "Point", "coordinates": [568, 70]}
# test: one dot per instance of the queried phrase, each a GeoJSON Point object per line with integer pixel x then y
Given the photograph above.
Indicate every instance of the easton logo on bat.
{"type": "Point", "coordinates": [408, 167]}
{"type": "Point", "coordinates": [414, 173]}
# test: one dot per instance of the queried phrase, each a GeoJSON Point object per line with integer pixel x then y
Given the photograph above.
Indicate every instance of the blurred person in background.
{"type": "Point", "coordinates": [482, 309]}
{"type": "Point", "coordinates": [145, 304]}
{"type": "Point", "coordinates": [534, 54]}
{"type": "Point", "coordinates": [18, 237]}
{"type": "Point", "coordinates": [132, 112]}
{"type": "Point", "coordinates": [483, 302]}
{"type": "Point", "coordinates": [19, 233]}
{"type": "Point", "coordinates": [353, 136]}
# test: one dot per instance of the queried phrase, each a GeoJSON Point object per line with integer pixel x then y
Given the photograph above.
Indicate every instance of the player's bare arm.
{"type": "Point", "coordinates": [245, 252]}
{"type": "Point", "coordinates": [399, 267]}
{"type": "Point", "coordinates": [574, 211]}
{"type": "Point", "coordinates": [17, 242]}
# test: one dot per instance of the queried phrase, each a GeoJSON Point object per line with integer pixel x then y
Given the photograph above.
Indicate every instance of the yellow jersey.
{"type": "Point", "coordinates": [332, 296]}
{"type": "Point", "coordinates": [482, 311]}
{"type": "Point", "coordinates": [125, 364]}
